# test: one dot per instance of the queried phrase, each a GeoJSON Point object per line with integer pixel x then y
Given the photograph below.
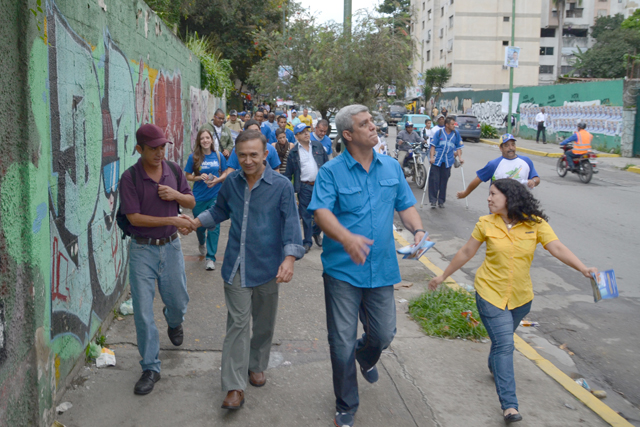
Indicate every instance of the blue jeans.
{"type": "Point", "coordinates": [211, 235]}
{"type": "Point", "coordinates": [148, 264]}
{"type": "Point", "coordinates": [501, 325]}
{"type": "Point", "coordinates": [376, 308]}
{"type": "Point", "coordinates": [308, 224]}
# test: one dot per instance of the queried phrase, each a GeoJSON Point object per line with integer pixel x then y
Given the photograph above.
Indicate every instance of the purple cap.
{"type": "Point", "coordinates": [151, 136]}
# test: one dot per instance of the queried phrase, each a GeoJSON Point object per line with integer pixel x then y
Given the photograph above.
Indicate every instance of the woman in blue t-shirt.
{"type": "Point", "coordinates": [203, 165]}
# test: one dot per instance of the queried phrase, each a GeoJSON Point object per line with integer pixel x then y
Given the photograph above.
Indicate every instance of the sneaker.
{"type": "Point", "coordinates": [210, 265]}
{"type": "Point", "coordinates": [433, 205]}
{"type": "Point", "coordinates": [441, 205]}
{"type": "Point", "coordinates": [343, 419]}
{"type": "Point", "coordinates": [370, 375]}
{"type": "Point", "coordinates": [202, 249]}
{"type": "Point", "coordinates": [307, 248]}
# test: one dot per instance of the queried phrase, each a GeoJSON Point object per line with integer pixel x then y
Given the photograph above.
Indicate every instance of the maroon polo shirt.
{"type": "Point", "coordinates": [143, 198]}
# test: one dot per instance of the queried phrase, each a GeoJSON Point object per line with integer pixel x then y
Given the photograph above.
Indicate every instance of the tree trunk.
{"type": "Point", "coordinates": [560, 5]}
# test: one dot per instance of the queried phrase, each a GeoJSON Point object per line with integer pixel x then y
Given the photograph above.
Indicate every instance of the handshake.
{"type": "Point", "coordinates": [186, 224]}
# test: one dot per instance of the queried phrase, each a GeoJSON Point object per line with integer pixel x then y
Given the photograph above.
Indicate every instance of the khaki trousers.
{"type": "Point", "coordinates": [243, 351]}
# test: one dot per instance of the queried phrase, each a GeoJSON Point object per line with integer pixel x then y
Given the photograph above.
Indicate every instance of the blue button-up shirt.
{"type": "Point", "coordinates": [446, 145]}
{"type": "Point", "coordinates": [265, 227]}
{"type": "Point", "coordinates": [364, 203]}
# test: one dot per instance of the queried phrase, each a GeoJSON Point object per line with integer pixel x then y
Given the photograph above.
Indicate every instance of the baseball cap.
{"type": "Point", "coordinates": [299, 128]}
{"type": "Point", "coordinates": [439, 116]}
{"type": "Point", "coordinates": [293, 111]}
{"type": "Point", "coordinates": [506, 138]}
{"type": "Point", "coordinates": [408, 125]}
{"type": "Point", "coordinates": [243, 113]}
{"type": "Point", "coordinates": [151, 136]}
{"type": "Point", "coordinates": [233, 113]}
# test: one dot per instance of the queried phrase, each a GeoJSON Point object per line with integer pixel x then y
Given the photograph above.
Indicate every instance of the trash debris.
{"type": "Point", "coordinates": [106, 358]}
{"type": "Point", "coordinates": [63, 407]}
{"type": "Point", "coordinates": [569, 406]}
{"type": "Point", "coordinates": [402, 285]}
{"type": "Point", "coordinates": [94, 350]}
{"type": "Point", "coordinates": [119, 318]}
{"type": "Point", "coordinates": [469, 315]}
{"type": "Point", "coordinates": [468, 288]}
{"type": "Point", "coordinates": [286, 363]}
{"type": "Point", "coordinates": [57, 424]}
{"type": "Point", "coordinates": [564, 347]}
{"type": "Point", "coordinates": [402, 300]}
{"type": "Point", "coordinates": [583, 383]}
{"type": "Point", "coordinates": [127, 307]}
{"type": "Point", "coordinates": [600, 394]}
{"type": "Point", "coordinates": [529, 323]}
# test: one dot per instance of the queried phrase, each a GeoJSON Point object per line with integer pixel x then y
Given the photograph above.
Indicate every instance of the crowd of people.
{"type": "Point", "coordinates": [269, 174]}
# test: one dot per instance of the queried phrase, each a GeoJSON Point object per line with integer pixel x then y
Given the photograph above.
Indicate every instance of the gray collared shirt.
{"type": "Point", "coordinates": [265, 227]}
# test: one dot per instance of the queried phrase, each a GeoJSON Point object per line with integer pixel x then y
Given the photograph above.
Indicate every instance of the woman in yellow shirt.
{"type": "Point", "coordinates": [503, 285]}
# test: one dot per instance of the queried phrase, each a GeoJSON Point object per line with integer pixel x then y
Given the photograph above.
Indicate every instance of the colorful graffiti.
{"type": "Point", "coordinates": [167, 112]}
{"type": "Point", "coordinates": [199, 104]}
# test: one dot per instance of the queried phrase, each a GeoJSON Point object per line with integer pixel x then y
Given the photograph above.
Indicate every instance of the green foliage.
{"type": "Point", "coordinates": [434, 81]}
{"type": "Point", "coordinates": [400, 11]}
{"type": "Point", "coordinates": [605, 24]}
{"type": "Point", "coordinates": [439, 314]}
{"type": "Point", "coordinates": [632, 22]}
{"type": "Point", "coordinates": [488, 131]}
{"type": "Point", "coordinates": [170, 11]}
{"type": "Point", "coordinates": [216, 72]}
{"type": "Point", "coordinates": [36, 14]}
{"type": "Point", "coordinates": [328, 69]}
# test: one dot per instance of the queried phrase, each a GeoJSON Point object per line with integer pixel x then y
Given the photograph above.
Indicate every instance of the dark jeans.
{"type": "Point", "coordinates": [376, 308]}
{"type": "Point", "coordinates": [309, 226]}
{"type": "Point", "coordinates": [542, 129]}
{"type": "Point", "coordinates": [501, 324]}
{"type": "Point", "coordinates": [438, 178]}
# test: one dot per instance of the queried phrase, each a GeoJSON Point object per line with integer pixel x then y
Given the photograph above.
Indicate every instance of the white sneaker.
{"type": "Point", "coordinates": [210, 265]}
{"type": "Point", "coordinates": [202, 249]}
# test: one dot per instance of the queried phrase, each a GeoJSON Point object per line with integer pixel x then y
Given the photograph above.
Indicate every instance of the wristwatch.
{"type": "Point", "coordinates": [420, 229]}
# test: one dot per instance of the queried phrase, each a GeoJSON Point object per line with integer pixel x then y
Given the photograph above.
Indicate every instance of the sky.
{"type": "Point", "coordinates": [328, 10]}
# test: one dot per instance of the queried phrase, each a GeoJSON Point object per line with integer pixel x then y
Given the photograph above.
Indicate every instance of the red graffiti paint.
{"type": "Point", "coordinates": [167, 112]}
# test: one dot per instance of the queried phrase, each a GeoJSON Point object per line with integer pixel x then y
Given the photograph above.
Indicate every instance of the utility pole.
{"type": "Point", "coordinates": [284, 8]}
{"type": "Point", "coordinates": [513, 43]}
{"type": "Point", "coordinates": [347, 17]}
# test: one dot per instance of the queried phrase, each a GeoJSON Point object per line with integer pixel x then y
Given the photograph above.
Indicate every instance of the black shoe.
{"type": "Point", "coordinates": [433, 205]}
{"type": "Point", "coordinates": [512, 418]}
{"type": "Point", "coordinates": [176, 335]}
{"type": "Point", "coordinates": [146, 382]}
{"type": "Point", "coordinates": [441, 205]}
{"type": "Point", "coordinates": [318, 239]}
{"type": "Point", "coordinates": [307, 248]}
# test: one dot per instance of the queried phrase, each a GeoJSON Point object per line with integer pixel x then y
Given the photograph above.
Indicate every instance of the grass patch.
{"type": "Point", "coordinates": [439, 314]}
{"type": "Point", "coordinates": [627, 166]}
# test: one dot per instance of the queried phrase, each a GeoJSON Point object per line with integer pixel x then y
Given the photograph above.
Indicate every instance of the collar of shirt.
{"type": "Point", "coordinates": [143, 173]}
{"type": "Point", "coordinates": [351, 162]}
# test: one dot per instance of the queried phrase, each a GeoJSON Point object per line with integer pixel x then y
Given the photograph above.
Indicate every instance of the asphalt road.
{"type": "Point", "coordinates": [597, 222]}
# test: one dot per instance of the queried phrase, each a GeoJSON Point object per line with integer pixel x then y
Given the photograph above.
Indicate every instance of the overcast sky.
{"type": "Point", "coordinates": [328, 10]}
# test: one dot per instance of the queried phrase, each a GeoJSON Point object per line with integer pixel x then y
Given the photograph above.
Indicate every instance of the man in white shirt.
{"type": "Point", "coordinates": [541, 119]}
{"type": "Point", "coordinates": [303, 162]}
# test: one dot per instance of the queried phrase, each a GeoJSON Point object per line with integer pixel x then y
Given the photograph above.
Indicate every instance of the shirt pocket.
{"type": "Point", "coordinates": [527, 243]}
{"type": "Point", "coordinates": [350, 199]}
{"type": "Point", "coordinates": [389, 190]}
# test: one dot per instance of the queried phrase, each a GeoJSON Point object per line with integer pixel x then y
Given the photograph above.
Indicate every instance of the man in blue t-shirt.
{"type": "Point", "coordinates": [282, 124]}
{"type": "Point", "coordinates": [509, 165]}
{"type": "Point", "coordinates": [264, 127]}
{"type": "Point", "coordinates": [446, 144]}
{"type": "Point", "coordinates": [320, 134]}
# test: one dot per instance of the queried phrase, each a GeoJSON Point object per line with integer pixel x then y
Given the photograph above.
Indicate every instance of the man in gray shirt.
{"type": "Point", "coordinates": [404, 138]}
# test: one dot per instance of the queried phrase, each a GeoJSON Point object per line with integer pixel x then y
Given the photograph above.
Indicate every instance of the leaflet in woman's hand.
{"type": "Point", "coordinates": [416, 251]}
{"type": "Point", "coordinates": [604, 285]}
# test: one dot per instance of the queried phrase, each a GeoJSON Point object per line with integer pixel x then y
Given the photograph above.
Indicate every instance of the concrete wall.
{"type": "Point", "coordinates": [70, 106]}
{"type": "Point", "coordinates": [599, 104]}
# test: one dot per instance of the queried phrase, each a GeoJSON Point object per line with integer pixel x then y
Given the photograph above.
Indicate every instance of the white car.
{"type": "Point", "coordinates": [334, 131]}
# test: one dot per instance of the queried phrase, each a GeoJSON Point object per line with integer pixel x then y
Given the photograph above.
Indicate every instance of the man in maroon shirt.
{"type": "Point", "coordinates": [150, 192]}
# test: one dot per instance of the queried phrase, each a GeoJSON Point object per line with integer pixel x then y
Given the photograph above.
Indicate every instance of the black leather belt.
{"type": "Point", "coordinates": [155, 242]}
{"type": "Point", "coordinates": [311, 183]}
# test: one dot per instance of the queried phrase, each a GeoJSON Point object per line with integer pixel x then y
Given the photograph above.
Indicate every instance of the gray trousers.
{"type": "Point", "coordinates": [242, 351]}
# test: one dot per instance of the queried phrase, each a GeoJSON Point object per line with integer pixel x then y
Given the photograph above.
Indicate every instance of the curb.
{"type": "Point", "coordinates": [544, 153]}
{"type": "Point", "coordinates": [634, 169]}
{"type": "Point", "coordinates": [596, 405]}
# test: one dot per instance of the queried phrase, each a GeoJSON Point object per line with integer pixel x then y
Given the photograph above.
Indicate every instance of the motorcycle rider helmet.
{"type": "Point", "coordinates": [506, 138]}
{"type": "Point", "coordinates": [408, 125]}
{"type": "Point", "coordinates": [582, 125]}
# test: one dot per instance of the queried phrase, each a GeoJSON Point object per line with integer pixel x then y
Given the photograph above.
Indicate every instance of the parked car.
{"type": "Point", "coordinates": [418, 121]}
{"type": "Point", "coordinates": [334, 131]}
{"type": "Point", "coordinates": [395, 113]}
{"type": "Point", "coordinates": [468, 126]}
{"type": "Point", "coordinates": [379, 121]}
{"type": "Point", "coordinates": [315, 116]}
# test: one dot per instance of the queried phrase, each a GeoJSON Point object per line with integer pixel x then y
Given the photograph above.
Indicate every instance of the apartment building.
{"type": "Point", "coordinates": [579, 16]}
{"type": "Point", "coordinates": [470, 36]}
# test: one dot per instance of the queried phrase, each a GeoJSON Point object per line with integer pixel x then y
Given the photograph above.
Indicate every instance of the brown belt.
{"type": "Point", "coordinates": [309, 182]}
{"type": "Point", "coordinates": [155, 242]}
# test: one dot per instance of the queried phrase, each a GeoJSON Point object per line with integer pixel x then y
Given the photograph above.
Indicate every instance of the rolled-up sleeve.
{"type": "Point", "coordinates": [292, 236]}
{"type": "Point", "coordinates": [324, 192]}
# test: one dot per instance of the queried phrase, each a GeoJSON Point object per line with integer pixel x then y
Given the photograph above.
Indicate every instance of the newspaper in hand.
{"type": "Point", "coordinates": [604, 285]}
{"type": "Point", "coordinates": [416, 251]}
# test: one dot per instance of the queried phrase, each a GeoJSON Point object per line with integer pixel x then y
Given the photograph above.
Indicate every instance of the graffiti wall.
{"type": "Point", "coordinates": [93, 77]}
{"type": "Point", "coordinates": [598, 104]}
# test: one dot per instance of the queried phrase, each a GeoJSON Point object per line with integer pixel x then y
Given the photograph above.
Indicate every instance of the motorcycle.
{"type": "Point", "coordinates": [585, 165]}
{"type": "Point", "coordinates": [413, 166]}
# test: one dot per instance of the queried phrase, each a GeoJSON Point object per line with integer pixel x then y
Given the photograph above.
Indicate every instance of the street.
{"type": "Point", "coordinates": [597, 222]}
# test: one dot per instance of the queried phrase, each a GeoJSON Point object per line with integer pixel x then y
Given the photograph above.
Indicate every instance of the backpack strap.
{"type": "Point", "coordinates": [219, 163]}
{"type": "Point", "coordinates": [177, 173]}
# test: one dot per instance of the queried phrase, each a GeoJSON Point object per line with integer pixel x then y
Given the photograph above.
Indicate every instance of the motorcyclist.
{"type": "Point", "coordinates": [581, 144]}
{"type": "Point", "coordinates": [404, 139]}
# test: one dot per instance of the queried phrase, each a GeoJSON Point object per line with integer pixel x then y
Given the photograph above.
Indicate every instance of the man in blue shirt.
{"type": "Point", "coordinates": [264, 126]}
{"type": "Point", "coordinates": [446, 144]}
{"type": "Point", "coordinates": [320, 134]}
{"type": "Point", "coordinates": [354, 199]}
{"type": "Point", "coordinates": [282, 124]}
{"type": "Point", "coordinates": [509, 165]}
{"type": "Point", "coordinates": [264, 241]}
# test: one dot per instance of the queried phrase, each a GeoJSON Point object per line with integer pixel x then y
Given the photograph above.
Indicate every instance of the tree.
{"type": "Point", "coordinates": [216, 72]}
{"type": "Point", "coordinates": [320, 66]}
{"type": "Point", "coordinates": [632, 22]}
{"type": "Point", "coordinates": [434, 81]}
{"type": "Point", "coordinates": [400, 11]}
{"type": "Point", "coordinates": [560, 7]}
{"type": "Point", "coordinates": [605, 24]}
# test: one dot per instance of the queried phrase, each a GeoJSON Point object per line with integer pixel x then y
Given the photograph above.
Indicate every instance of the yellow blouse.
{"type": "Point", "coordinates": [503, 278]}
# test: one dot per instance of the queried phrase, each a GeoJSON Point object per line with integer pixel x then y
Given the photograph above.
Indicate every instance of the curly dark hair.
{"type": "Point", "coordinates": [521, 205]}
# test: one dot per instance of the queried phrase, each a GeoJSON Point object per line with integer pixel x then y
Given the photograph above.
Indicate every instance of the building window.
{"type": "Point", "coordinates": [546, 69]}
{"type": "Point", "coordinates": [451, 21]}
{"type": "Point", "coordinates": [450, 45]}
{"type": "Point", "coordinates": [423, 25]}
{"type": "Point", "coordinates": [546, 51]}
{"type": "Point", "coordinates": [573, 11]}
{"type": "Point", "coordinates": [442, 11]}
{"type": "Point", "coordinates": [566, 69]}
{"type": "Point", "coordinates": [422, 5]}
{"type": "Point", "coordinates": [429, 15]}
{"type": "Point", "coordinates": [441, 33]}
{"type": "Point", "coordinates": [428, 36]}
{"type": "Point", "coordinates": [451, 2]}
{"type": "Point", "coordinates": [602, 12]}
{"type": "Point", "coordinates": [441, 53]}
{"type": "Point", "coordinates": [505, 43]}
{"type": "Point", "coordinates": [428, 55]}
{"type": "Point", "coordinates": [506, 18]}
{"type": "Point", "coordinates": [548, 32]}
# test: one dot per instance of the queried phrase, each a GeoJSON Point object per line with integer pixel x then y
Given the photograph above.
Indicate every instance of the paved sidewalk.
{"type": "Point", "coordinates": [424, 381]}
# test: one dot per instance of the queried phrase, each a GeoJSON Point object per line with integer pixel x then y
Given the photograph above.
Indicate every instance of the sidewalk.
{"type": "Point", "coordinates": [605, 160]}
{"type": "Point", "coordinates": [424, 381]}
